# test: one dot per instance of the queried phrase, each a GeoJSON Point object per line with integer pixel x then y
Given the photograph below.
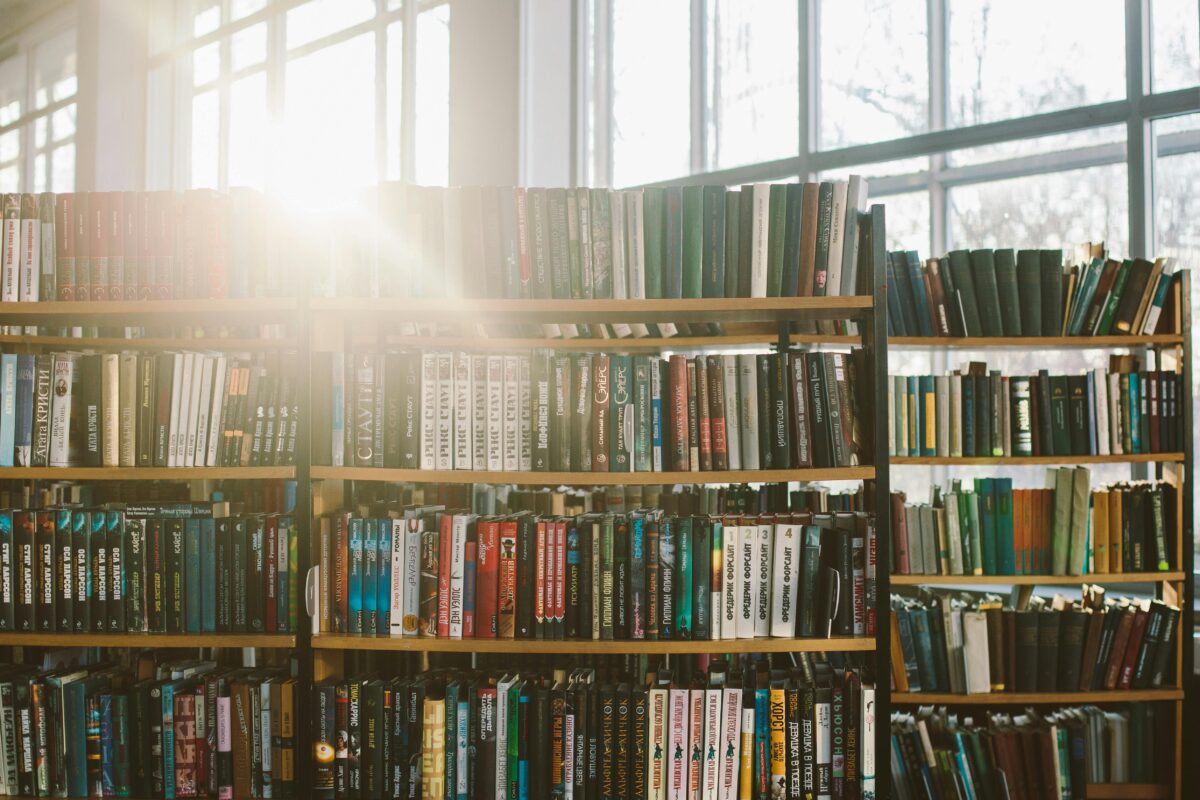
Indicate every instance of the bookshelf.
{"type": "Point", "coordinates": [847, 644]}
{"type": "Point", "coordinates": [1170, 351]}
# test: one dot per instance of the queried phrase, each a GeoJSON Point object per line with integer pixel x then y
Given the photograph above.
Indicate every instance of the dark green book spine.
{"type": "Point", "coordinates": [776, 238]}
{"type": "Point", "coordinates": [684, 559]}
{"type": "Point", "coordinates": [557, 243]}
{"type": "Point", "coordinates": [1060, 415]}
{"type": "Point", "coordinates": [702, 533]}
{"type": "Point", "coordinates": [714, 241]}
{"type": "Point", "coordinates": [987, 293]}
{"type": "Point", "coordinates": [745, 224]}
{"type": "Point", "coordinates": [964, 283]}
{"type": "Point", "coordinates": [733, 219]}
{"type": "Point", "coordinates": [1029, 292]}
{"type": "Point", "coordinates": [794, 207]}
{"type": "Point", "coordinates": [654, 225]}
{"type": "Point", "coordinates": [693, 241]}
{"type": "Point", "coordinates": [824, 233]}
{"type": "Point", "coordinates": [673, 243]}
{"type": "Point", "coordinates": [601, 228]}
{"type": "Point", "coordinates": [1006, 284]}
{"type": "Point", "coordinates": [1052, 292]}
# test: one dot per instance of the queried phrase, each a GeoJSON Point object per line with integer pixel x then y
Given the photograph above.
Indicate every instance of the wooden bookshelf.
{"type": "Point", "coordinates": [151, 313]}
{"type": "Point", "coordinates": [147, 473]}
{"type": "Point", "coordinates": [1037, 580]}
{"type": "Point", "coordinates": [1128, 791]}
{"type": "Point", "coordinates": [967, 461]}
{"type": "Point", "coordinates": [1026, 342]}
{"type": "Point", "coordinates": [590, 478]}
{"type": "Point", "coordinates": [215, 343]}
{"type": "Point", "coordinates": [628, 345]}
{"type": "Point", "coordinates": [1037, 698]}
{"type": "Point", "coordinates": [328, 641]}
{"type": "Point", "coordinates": [265, 640]}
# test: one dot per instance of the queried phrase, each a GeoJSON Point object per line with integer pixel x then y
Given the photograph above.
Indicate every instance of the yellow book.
{"type": "Point", "coordinates": [1100, 532]}
{"type": "Point", "coordinates": [433, 749]}
{"type": "Point", "coordinates": [1116, 555]}
{"type": "Point", "coordinates": [778, 739]}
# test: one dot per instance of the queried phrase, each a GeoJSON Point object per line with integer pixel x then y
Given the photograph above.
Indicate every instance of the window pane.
{"type": "Point", "coordinates": [206, 17]}
{"type": "Point", "coordinates": [204, 140]}
{"type": "Point", "coordinates": [244, 8]}
{"type": "Point", "coordinates": [12, 89]}
{"type": "Point", "coordinates": [54, 69]}
{"type": "Point", "coordinates": [318, 18]}
{"type": "Point", "coordinates": [329, 120]}
{"type": "Point", "coordinates": [62, 168]}
{"type": "Point", "coordinates": [650, 91]}
{"type": "Point", "coordinates": [1176, 202]}
{"type": "Point", "coordinates": [1037, 146]}
{"type": "Point", "coordinates": [395, 95]}
{"type": "Point", "coordinates": [1175, 44]}
{"type": "Point", "coordinates": [10, 178]}
{"type": "Point", "coordinates": [39, 172]}
{"type": "Point", "coordinates": [906, 220]}
{"type": "Point", "coordinates": [1058, 209]}
{"type": "Point", "coordinates": [206, 64]}
{"type": "Point", "coordinates": [249, 46]}
{"type": "Point", "coordinates": [41, 129]}
{"type": "Point", "coordinates": [754, 87]}
{"type": "Point", "coordinates": [1019, 57]}
{"type": "Point", "coordinates": [62, 123]}
{"type": "Point", "coordinates": [10, 146]}
{"type": "Point", "coordinates": [161, 138]}
{"type": "Point", "coordinates": [248, 131]}
{"type": "Point", "coordinates": [433, 97]}
{"type": "Point", "coordinates": [874, 71]}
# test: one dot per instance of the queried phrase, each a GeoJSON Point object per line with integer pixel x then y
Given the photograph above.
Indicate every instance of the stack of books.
{"type": "Point", "coordinates": [1028, 754]}
{"type": "Point", "coordinates": [977, 412]}
{"type": "Point", "coordinates": [154, 568]}
{"type": "Point", "coordinates": [985, 527]}
{"type": "Point", "coordinates": [643, 575]}
{"type": "Point", "coordinates": [544, 411]}
{"type": "Point", "coordinates": [727, 732]}
{"type": "Point", "coordinates": [978, 644]}
{"type": "Point", "coordinates": [1026, 293]}
{"type": "Point", "coordinates": [138, 409]}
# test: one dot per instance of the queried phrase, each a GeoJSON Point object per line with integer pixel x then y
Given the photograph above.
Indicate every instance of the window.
{"type": "Point", "coordinates": [38, 85]}
{"type": "Point", "coordinates": [306, 98]}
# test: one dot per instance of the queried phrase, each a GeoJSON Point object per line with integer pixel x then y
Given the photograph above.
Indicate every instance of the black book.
{"type": "Point", "coordinates": [539, 746]}
{"type": "Point", "coordinates": [239, 564]}
{"type": "Point", "coordinates": [766, 412]}
{"type": "Point", "coordinates": [526, 575]}
{"type": "Point", "coordinates": [639, 746]}
{"type": "Point", "coordinates": [1073, 628]}
{"type": "Point", "coordinates": [354, 728]}
{"type": "Point", "coordinates": [793, 738]}
{"type": "Point", "coordinates": [781, 412]}
{"type": "Point", "coordinates": [224, 568]}
{"type": "Point", "coordinates": [1052, 292]}
{"type": "Point", "coordinates": [372, 725]}
{"type": "Point", "coordinates": [581, 413]}
{"type": "Point", "coordinates": [161, 375]}
{"type": "Point", "coordinates": [64, 574]}
{"type": "Point", "coordinates": [117, 570]}
{"type": "Point", "coordinates": [98, 561]}
{"type": "Point", "coordinates": [607, 744]}
{"type": "Point", "coordinates": [818, 405]}
{"type": "Point", "coordinates": [87, 368]}
{"type": "Point", "coordinates": [324, 740]}
{"type": "Point", "coordinates": [621, 578]}
{"type": "Point", "coordinates": [45, 614]}
{"type": "Point", "coordinates": [408, 369]}
{"type": "Point", "coordinates": [539, 376]}
{"type": "Point", "coordinates": [987, 295]}
{"type": "Point", "coordinates": [484, 722]}
{"type": "Point", "coordinates": [24, 572]}
{"type": "Point", "coordinates": [252, 577]}
{"type": "Point", "coordinates": [560, 413]}
{"type": "Point", "coordinates": [82, 571]}
{"type": "Point", "coordinates": [624, 743]}
{"type": "Point", "coordinates": [1029, 287]}
{"type": "Point", "coordinates": [1077, 399]}
{"type": "Point", "coordinates": [1049, 624]}
{"type": "Point", "coordinates": [702, 535]}
{"type": "Point", "coordinates": [175, 569]}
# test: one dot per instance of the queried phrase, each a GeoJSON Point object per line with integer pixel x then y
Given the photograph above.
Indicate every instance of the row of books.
{"type": "Point", "coordinates": [1025, 293]}
{"type": "Point", "coordinates": [1055, 754]}
{"type": "Point", "coordinates": [758, 732]}
{"type": "Point", "coordinates": [163, 568]}
{"type": "Point", "coordinates": [989, 528]}
{"type": "Point", "coordinates": [549, 411]}
{"type": "Point", "coordinates": [140, 409]}
{"type": "Point", "coordinates": [762, 240]}
{"type": "Point", "coordinates": [642, 575]}
{"type": "Point", "coordinates": [134, 246]}
{"type": "Point", "coordinates": [945, 641]}
{"type": "Point", "coordinates": [189, 729]}
{"type": "Point", "coordinates": [974, 412]}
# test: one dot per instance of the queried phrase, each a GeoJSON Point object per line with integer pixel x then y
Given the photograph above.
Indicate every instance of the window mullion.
{"type": "Point", "coordinates": [808, 84]}
{"type": "Point", "coordinates": [408, 95]}
{"type": "Point", "coordinates": [698, 39]}
{"type": "Point", "coordinates": [938, 46]}
{"type": "Point", "coordinates": [1139, 140]}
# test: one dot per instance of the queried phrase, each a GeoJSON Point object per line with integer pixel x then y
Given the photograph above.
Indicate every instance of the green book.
{"type": "Point", "coordinates": [745, 240]}
{"type": "Point", "coordinates": [964, 282]}
{"type": "Point", "coordinates": [557, 244]}
{"type": "Point", "coordinates": [1052, 292]}
{"type": "Point", "coordinates": [1060, 541]}
{"type": "Point", "coordinates": [776, 234]}
{"type": "Point", "coordinates": [791, 240]}
{"type": "Point", "coordinates": [1007, 555]}
{"type": "Point", "coordinates": [971, 501]}
{"type": "Point", "coordinates": [714, 241]}
{"type": "Point", "coordinates": [1060, 421]}
{"type": "Point", "coordinates": [683, 578]}
{"type": "Point", "coordinates": [1029, 291]}
{"type": "Point", "coordinates": [1085, 291]}
{"type": "Point", "coordinates": [987, 525]}
{"type": "Point", "coordinates": [673, 244]}
{"type": "Point", "coordinates": [987, 293]}
{"type": "Point", "coordinates": [641, 414]}
{"type": "Point", "coordinates": [654, 227]}
{"type": "Point", "coordinates": [601, 224]}
{"type": "Point", "coordinates": [733, 229]}
{"type": "Point", "coordinates": [1006, 283]}
{"type": "Point", "coordinates": [1109, 312]}
{"type": "Point", "coordinates": [693, 240]}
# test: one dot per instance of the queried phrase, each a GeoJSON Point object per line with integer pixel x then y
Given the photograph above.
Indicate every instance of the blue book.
{"type": "Point", "coordinates": [355, 577]}
{"type": "Point", "coordinates": [191, 576]}
{"type": "Point", "coordinates": [370, 578]}
{"type": "Point", "coordinates": [762, 706]}
{"type": "Point", "coordinates": [1004, 525]}
{"type": "Point", "coordinates": [917, 282]}
{"type": "Point", "coordinates": [168, 739]}
{"type": "Point", "coordinates": [383, 594]}
{"type": "Point", "coordinates": [1135, 413]}
{"type": "Point", "coordinates": [23, 436]}
{"type": "Point", "coordinates": [208, 575]}
{"type": "Point", "coordinates": [656, 415]}
{"type": "Point", "coordinates": [451, 734]}
{"type": "Point", "coordinates": [923, 642]}
{"type": "Point", "coordinates": [8, 415]}
{"type": "Point", "coordinates": [470, 555]}
{"type": "Point", "coordinates": [107, 776]}
{"type": "Point", "coordinates": [285, 593]}
{"type": "Point", "coordinates": [968, 415]}
{"type": "Point", "coordinates": [666, 574]}
{"type": "Point", "coordinates": [1093, 449]}
{"type": "Point", "coordinates": [987, 525]}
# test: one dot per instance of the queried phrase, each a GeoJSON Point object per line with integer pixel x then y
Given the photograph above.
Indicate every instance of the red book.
{"type": "Point", "coordinates": [487, 563]}
{"type": "Point", "coordinates": [167, 207]}
{"type": "Point", "coordinates": [114, 220]}
{"type": "Point", "coordinates": [271, 573]}
{"type": "Point", "coordinates": [445, 554]}
{"type": "Point", "coordinates": [601, 413]}
{"type": "Point", "coordinates": [217, 209]}
{"type": "Point", "coordinates": [678, 382]}
{"type": "Point", "coordinates": [147, 244]}
{"type": "Point", "coordinates": [64, 266]}
{"type": "Point", "coordinates": [98, 236]}
{"type": "Point", "coordinates": [700, 389]}
{"type": "Point", "coordinates": [522, 240]}
{"type": "Point", "coordinates": [506, 590]}
{"type": "Point", "coordinates": [83, 246]}
{"type": "Point", "coordinates": [900, 533]}
{"type": "Point", "coordinates": [341, 562]}
{"type": "Point", "coordinates": [714, 372]}
{"type": "Point", "coordinates": [560, 578]}
{"type": "Point", "coordinates": [1136, 633]}
{"type": "Point", "coordinates": [539, 587]}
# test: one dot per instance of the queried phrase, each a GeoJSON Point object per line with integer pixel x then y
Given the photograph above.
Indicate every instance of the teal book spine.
{"type": "Point", "coordinates": [1003, 489]}
{"type": "Point", "coordinates": [714, 242]}
{"type": "Point", "coordinates": [923, 644]}
{"type": "Point", "coordinates": [74, 722]}
{"type": "Point", "coordinates": [355, 577]}
{"type": "Point", "coordinates": [208, 575]}
{"type": "Point", "coordinates": [987, 525]}
{"type": "Point", "coordinates": [1010, 301]}
{"type": "Point", "coordinates": [762, 755]}
{"type": "Point", "coordinates": [107, 772]}
{"type": "Point", "coordinates": [370, 548]}
{"type": "Point", "coordinates": [683, 579]}
{"type": "Point", "coordinates": [1135, 412]}
{"type": "Point", "coordinates": [964, 284]}
{"type": "Point", "coordinates": [987, 293]}
{"type": "Point", "coordinates": [191, 575]}
{"type": "Point", "coordinates": [168, 739]}
{"type": "Point", "coordinates": [383, 586]}
{"type": "Point", "coordinates": [924, 319]}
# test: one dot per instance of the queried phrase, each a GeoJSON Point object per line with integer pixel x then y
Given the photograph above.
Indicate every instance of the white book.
{"type": "Point", "coordinates": [618, 247]}
{"type": "Point", "coordinates": [464, 412]}
{"type": "Point", "coordinates": [458, 556]}
{"type": "Point", "coordinates": [824, 738]}
{"type": "Point", "coordinates": [748, 410]}
{"type": "Point", "coordinates": [856, 203]}
{"type": "Point", "coordinates": [729, 751]}
{"type": "Point", "coordinates": [30, 259]}
{"type": "Point", "coordinates": [1115, 430]}
{"type": "Point", "coordinates": [837, 238]}
{"type": "Point", "coordinates": [866, 738]}
{"type": "Point", "coordinates": [696, 740]}
{"type": "Point", "coordinates": [1102, 435]}
{"type": "Point", "coordinates": [747, 583]}
{"type": "Point", "coordinates": [412, 578]}
{"type": "Point", "coordinates": [763, 559]}
{"type": "Point", "coordinates": [526, 437]}
{"type": "Point", "coordinates": [204, 411]}
{"type": "Point", "coordinates": [479, 412]}
{"type": "Point", "coordinates": [568, 757]}
{"type": "Point", "coordinates": [179, 374]}
{"type": "Point", "coordinates": [452, 251]}
{"type": "Point", "coordinates": [760, 198]}
{"type": "Point", "coordinates": [657, 417]}
{"type": "Point", "coordinates": [264, 726]}
{"type": "Point", "coordinates": [635, 236]}
{"type": "Point", "coordinates": [10, 246]}
{"type": "Point", "coordinates": [953, 534]}
{"type": "Point", "coordinates": [942, 390]}
{"type": "Point", "coordinates": [220, 379]}
{"type": "Point", "coordinates": [512, 413]}
{"type": "Point", "coordinates": [678, 752]}
{"type": "Point", "coordinates": [713, 716]}
{"type": "Point", "coordinates": [493, 375]}
{"type": "Point", "coordinates": [444, 436]}
{"type": "Point", "coordinates": [656, 766]}
{"type": "Point", "coordinates": [188, 436]}
{"type": "Point", "coordinates": [785, 580]}
{"type": "Point", "coordinates": [397, 575]}
{"type": "Point", "coordinates": [1153, 310]}
{"type": "Point", "coordinates": [732, 581]}
{"type": "Point", "coordinates": [337, 411]}
{"type": "Point", "coordinates": [429, 410]}
{"type": "Point", "coordinates": [975, 652]}
{"type": "Point", "coordinates": [733, 438]}
{"type": "Point", "coordinates": [502, 687]}
{"type": "Point", "coordinates": [60, 409]}
{"type": "Point", "coordinates": [956, 415]}
{"type": "Point", "coordinates": [110, 391]}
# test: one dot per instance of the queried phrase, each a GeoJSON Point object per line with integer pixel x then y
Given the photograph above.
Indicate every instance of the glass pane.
{"type": "Point", "coordinates": [880, 169]}
{"type": "Point", "coordinates": [1176, 203]}
{"type": "Point", "coordinates": [1018, 57]}
{"type": "Point", "coordinates": [244, 8]}
{"type": "Point", "coordinates": [433, 97]}
{"type": "Point", "coordinates": [248, 131]}
{"type": "Point", "coordinates": [1175, 44]}
{"type": "Point", "coordinates": [249, 46]}
{"type": "Point", "coordinates": [10, 146]}
{"type": "Point", "coordinates": [41, 128]}
{"type": "Point", "coordinates": [906, 219]}
{"type": "Point", "coordinates": [39, 172]}
{"type": "Point", "coordinates": [54, 69]}
{"type": "Point", "coordinates": [395, 92]}
{"type": "Point", "coordinates": [12, 89]}
{"type": "Point", "coordinates": [10, 178]}
{"type": "Point", "coordinates": [206, 64]}
{"type": "Point", "coordinates": [206, 17]}
{"type": "Point", "coordinates": [874, 71]}
{"type": "Point", "coordinates": [205, 120]}
{"type": "Point", "coordinates": [62, 123]}
{"type": "Point", "coordinates": [1037, 146]}
{"type": "Point", "coordinates": [318, 18]}
{"type": "Point", "coordinates": [62, 168]}
{"type": "Point", "coordinates": [754, 93]}
{"type": "Point", "coordinates": [651, 76]}
{"type": "Point", "coordinates": [329, 120]}
{"type": "Point", "coordinates": [160, 118]}
{"type": "Point", "coordinates": [160, 26]}
{"type": "Point", "coordinates": [1058, 209]}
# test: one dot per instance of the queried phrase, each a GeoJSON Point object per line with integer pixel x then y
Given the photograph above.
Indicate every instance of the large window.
{"type": "Point", "coordinates": [305, 98]}
{"type": "Point", "coordinates": [38, 85]}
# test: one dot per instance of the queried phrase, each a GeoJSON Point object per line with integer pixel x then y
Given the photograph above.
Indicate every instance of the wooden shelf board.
{"type": "Point", "coordinates": [146, 473]}
{"type": "Point", "coordinates": [984, 342]}
{"type": "Point", "coordinates": [1036, 698]}
{"type": "Point", "coordinates": [590, 478]}
{"type": "Point", "coordinates": [1133, 458]}
{"type": "Point", "coordinates": [1046, 580]}
{"type": "Point", "coordinates": [279, 640]}
{"type": "Point", "coordinates": [149, 343]}
{"type": "Point", "coordinates": [328, 641]}
{"type": "Point", "coordinates": [627, 345]}
{"type": "Point", "coordinates": [148, 312]}
{"type": "Point", "coordinates": [737, 309]}
{"type": "Point", "coordinates": [1128, 791]}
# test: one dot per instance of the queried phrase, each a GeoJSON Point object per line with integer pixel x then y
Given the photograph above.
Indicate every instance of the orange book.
{"type": "Point", "coordinates": [1100, 532]}
{"type": "Point", "coordinates": [1116, 544]}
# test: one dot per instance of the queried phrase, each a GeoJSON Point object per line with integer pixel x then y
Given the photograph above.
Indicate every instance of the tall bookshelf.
{"type": "Point", "coordinates": [1172, 351]}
